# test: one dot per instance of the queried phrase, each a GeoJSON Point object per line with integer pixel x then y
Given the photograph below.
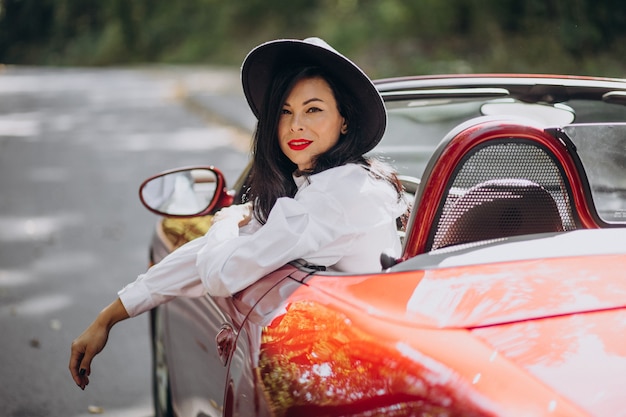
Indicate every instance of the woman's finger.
{"type": "Point", "coordinates": [76, 358]}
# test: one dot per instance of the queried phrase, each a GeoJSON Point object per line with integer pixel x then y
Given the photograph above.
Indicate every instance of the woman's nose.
{"type": "Point", "coordinates": [296, 123]}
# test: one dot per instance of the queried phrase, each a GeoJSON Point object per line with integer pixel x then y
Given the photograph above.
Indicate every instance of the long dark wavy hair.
{"type": "Point", "coordinates": [272, 172]}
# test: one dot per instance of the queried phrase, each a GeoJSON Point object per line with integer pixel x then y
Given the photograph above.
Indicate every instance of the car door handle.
{"type": "Point", "coordinates": [225, 340]}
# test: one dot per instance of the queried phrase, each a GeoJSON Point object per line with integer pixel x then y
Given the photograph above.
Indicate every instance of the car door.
{"type": "Point", "coordinates": [197, 371]}
{"type": "Point", "coordinates": [260, 303]}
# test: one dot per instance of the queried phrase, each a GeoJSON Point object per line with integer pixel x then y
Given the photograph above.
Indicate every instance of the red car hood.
{"type": "Point", "coordinates": [486, 295]}
{"type": "Point", "coordinates": [529, 312]}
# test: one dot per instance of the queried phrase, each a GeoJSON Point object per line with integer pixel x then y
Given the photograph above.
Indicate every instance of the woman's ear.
{"type": "Point", "coordinates": [344, 127]}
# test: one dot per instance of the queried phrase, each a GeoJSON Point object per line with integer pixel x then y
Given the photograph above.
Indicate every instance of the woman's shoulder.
{"type": "Point", "coordinates": [354, 187]}
{"type": "Point", "coordinates": [349, 179]}
{"type": "Point", "coordinates": [347, 172]}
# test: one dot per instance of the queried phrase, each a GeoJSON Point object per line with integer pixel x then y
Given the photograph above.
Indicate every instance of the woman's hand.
{"type": "Point", "coordinates": [92, 341]}
{"type": "Point", "coordinates": [242, 213]}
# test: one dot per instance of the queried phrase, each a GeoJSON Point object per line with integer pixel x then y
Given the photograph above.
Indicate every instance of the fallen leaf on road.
{"type": "Point", "coordinates": [55, 324]}
{"type": "Point", "coordinates": [95, 409]}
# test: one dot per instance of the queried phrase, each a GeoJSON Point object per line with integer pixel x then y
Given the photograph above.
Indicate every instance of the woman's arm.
{"type": "Point", "coordinates": [92, 341]}
{"type": "Point", "coordinates": [175, 275]}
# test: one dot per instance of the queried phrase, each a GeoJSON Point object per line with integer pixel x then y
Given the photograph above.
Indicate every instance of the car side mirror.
{"type": "Point", "coordinates": [187, 192]}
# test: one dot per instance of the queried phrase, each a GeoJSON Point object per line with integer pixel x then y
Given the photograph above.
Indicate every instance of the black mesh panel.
{"type": "Point", "coordinates": [502, 189]}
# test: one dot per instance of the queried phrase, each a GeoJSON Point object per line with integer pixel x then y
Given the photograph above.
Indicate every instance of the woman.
{"type": "Point", "coordinates": [312, 194]}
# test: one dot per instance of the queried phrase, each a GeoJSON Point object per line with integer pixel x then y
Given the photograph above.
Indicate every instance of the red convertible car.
{"type": "Point", "coordinates": [509, 298]}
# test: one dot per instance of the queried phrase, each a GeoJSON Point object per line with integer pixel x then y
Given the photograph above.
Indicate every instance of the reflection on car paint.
{"type": "Point", "coordinates": [558, 352]}
{"type": "Point", "coordinates": [484, 295]}
{"type": "Point", "coordinates": [315, 361]}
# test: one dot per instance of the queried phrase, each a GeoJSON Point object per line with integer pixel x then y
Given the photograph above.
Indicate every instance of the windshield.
{"type": "Point", "coordinates": [602, 151]}
{"type": "Point", "coordinates": [416, 126]}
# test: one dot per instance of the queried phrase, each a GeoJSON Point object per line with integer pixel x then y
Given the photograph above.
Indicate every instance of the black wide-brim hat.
{"type": "Point", "coordinates": [264, 61]}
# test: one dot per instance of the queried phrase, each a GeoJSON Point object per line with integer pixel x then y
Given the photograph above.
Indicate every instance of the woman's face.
{"type": "Point", "coordinates": [310, 122]}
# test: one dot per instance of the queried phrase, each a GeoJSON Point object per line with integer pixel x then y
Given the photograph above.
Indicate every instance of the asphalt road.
{"type": "Point", "coordinates": [74, 146]}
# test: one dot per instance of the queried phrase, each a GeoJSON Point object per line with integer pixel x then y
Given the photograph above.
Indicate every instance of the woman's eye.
{"type": "Point", "coordinates": [285, 111]}
{"type": "Point", "coordinates": [313, 109]}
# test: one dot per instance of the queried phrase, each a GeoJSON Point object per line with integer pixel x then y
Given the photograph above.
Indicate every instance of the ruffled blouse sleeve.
{"type": "Point", "coordinates": [339, 218]}
{"type": "Point", "coordinates": [342, 213]}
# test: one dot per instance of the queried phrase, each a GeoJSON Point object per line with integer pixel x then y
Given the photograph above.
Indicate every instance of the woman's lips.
{"type": "Point", "coordinates": [299, 144]}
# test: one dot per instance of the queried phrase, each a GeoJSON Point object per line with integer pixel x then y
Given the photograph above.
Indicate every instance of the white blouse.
{"type": "Point", "coordinates": [341, 218]}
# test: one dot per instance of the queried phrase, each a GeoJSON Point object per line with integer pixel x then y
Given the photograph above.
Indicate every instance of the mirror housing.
{"type": "Point", "coordinates": [185, 192]}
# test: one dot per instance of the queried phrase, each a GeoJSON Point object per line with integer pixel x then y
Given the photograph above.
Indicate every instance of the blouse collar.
{"type": "Point", "coordinates": [301, 179]}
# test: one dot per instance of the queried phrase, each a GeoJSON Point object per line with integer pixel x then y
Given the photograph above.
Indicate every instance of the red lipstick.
{"type": "Point", "coordinates": [299, 144]}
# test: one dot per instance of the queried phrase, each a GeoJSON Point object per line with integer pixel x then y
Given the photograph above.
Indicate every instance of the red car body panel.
{"type": "Point", "coordinates": [581, 356]}
{"type": "Point", "coordinates": [487, 295]}
{"type": "Point", "coordinates": [462, 331]}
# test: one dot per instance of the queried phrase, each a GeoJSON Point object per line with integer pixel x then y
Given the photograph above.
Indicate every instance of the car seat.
{"type": "Point", "coordinates": [493, 178]}
{"type": "Point", "coordinates": [499, 208]}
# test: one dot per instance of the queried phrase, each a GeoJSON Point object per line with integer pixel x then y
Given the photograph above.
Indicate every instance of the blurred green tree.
{"type": "Point", "coordinates": [387, 37]}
